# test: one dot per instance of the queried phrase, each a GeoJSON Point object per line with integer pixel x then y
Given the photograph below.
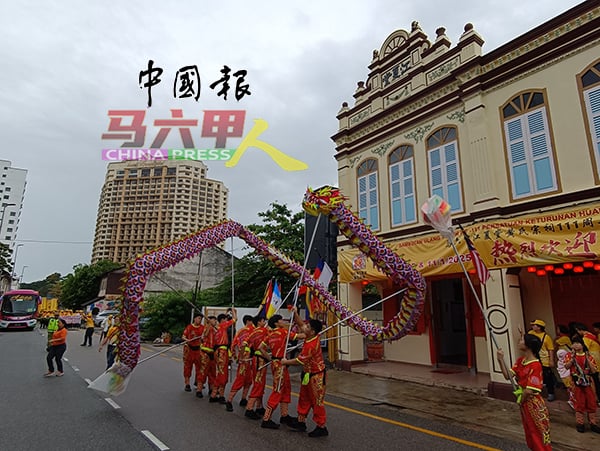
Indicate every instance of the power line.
{"type": "Point", "coordinates": [53, 241]}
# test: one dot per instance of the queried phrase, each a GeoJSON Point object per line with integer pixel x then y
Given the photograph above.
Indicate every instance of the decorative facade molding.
{"type": "Point", "coordinates": [443, 69]}
{"type": "Point", "coordinates": [353, 160]}
{"type": "Point", "coordinates": [404, 91]}
{"type": "Point", "coordinates": [382, 148]}
{"type": "Point", "coordinates": [459, 115]}
{"type": "Point", "coordinates": [418, 133]}
{"type": "Point", "coordinates": [360, 116]}
{"type": "Point", "coordinates": [531, 45]}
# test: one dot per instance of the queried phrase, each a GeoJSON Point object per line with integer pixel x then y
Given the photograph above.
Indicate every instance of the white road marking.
{"type": "Point", "coordinates": [75, 369]}
{"type": "Point", "coordinates": [155, 441]}
{"type": "Point", "coordinates": [88, 381]}
{"type": "Point", "coordinates": [112, 403]}
{"type": "Point", "coordinates": [65, 359]}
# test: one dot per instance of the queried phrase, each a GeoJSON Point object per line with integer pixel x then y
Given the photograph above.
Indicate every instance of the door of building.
{"type": "Point", "coordinates": [450, 327]}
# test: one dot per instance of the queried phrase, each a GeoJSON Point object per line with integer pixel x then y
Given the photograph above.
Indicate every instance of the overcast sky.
{"type": "Point", "coordinates": [66, 63]}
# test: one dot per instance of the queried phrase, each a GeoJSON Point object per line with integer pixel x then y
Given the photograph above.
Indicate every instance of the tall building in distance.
{"type": "Point", "coordinates": [12, 192]}
{"type": "Point", "coordinates": [145, 204]}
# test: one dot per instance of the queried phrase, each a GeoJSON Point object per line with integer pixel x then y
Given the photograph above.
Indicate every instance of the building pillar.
{"type": "Point", "coordinates": [351, 348]}
{"type": "Point", "coordinates": [504, 310]}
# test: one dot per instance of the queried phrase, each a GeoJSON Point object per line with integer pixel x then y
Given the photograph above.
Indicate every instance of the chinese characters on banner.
{"type": "Point", "coordinates": [187, 82]}
{"type": "Point", "coordinates": [567, 235]}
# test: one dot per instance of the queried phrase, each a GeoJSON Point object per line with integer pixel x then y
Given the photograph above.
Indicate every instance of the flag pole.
{"type": "Point", "coordinates": [287, 337]}
{"type": "Point", "coordinates": [479, 303]}
{"type": "Point", "coordinates": [346, 318]}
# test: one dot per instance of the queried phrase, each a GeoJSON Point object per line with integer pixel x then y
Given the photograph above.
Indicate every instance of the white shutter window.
{"type": "Point", "coordinates": [592, 104]}
{"type": "Point", "coordinates": [368, 203]}
{"type": "Point", "coordinates": [402, 192]}
{"type": "Point", "coordinates": [444, 174]}
{"type": "Point", "coordinates": [530, 154]}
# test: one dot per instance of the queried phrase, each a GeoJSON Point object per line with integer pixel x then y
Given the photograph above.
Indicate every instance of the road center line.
{"type": "Point", "coordinates": [155, 441]}
{"type": "Point", "coordinates": [112, 403]}
{"type": "Point", "coordinates": [406, 425]}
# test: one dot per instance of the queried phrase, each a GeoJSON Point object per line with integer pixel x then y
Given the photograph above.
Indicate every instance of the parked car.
{"type": "Point", "coordinates": [103, 315]}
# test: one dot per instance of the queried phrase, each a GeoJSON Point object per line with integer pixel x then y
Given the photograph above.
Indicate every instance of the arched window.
{"type": "Point", "coordinates": [402, 185]}
{"type": "Point", "coordinates": [528, 145]}
{"type": "Point", "coordinates": [368, 196]}
{"type": "Point", "coordinates": [589, 83]}
{"type": "Point", "coordinates": [444, 166]}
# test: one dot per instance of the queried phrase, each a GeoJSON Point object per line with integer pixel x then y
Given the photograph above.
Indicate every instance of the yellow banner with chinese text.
{"type": "Point", "coordinates": [566, 235]}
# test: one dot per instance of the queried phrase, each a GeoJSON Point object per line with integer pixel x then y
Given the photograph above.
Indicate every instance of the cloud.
{"type": "Point", "coordinates": [65, 64]}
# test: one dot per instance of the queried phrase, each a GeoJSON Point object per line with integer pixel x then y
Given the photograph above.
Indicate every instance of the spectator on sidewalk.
{"type": "Point", "coordinates": [593, 347]}
{"type": "Point", "coordinates": [527, 371]}
{"type": "Point", "coordinates": [582, 365]}
{"type": "Point", "coordinates": [538, 329]}
{"type": "Point", "coordinates": [56, 348]}
{"type": "Point", "coordinates": [563, 347]}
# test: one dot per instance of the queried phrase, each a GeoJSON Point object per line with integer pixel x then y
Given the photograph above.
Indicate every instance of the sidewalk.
{"type": "Point", "coordinates": [456, 397]}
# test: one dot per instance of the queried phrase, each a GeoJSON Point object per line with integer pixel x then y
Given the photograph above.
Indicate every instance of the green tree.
{"type": "Point", "coordinates": [49, 287]}
{"type": "Point", "coordinates": [5, 258]}
{"type": "Point", "coordinates": [83, 283]}
{"type": "Point", "coordinates": [166, 312]}
{"type": "Point", "coordinates": [282, 229]}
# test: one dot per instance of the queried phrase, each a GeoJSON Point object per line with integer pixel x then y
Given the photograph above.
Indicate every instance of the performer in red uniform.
{"type": "Point", "coordinates": [312, 390]}
{"type": "Point", "coordinates": [245, 370]}
{"type": "Point", "coordinates": [222, 355]}
{"type": "Point", "coordinates": [258, 335]}
{"type": "Point", "coordinates": [582, 365]}
{"type": "Point", "coordinates": [282, 388]}
{"type": "Point", "coordinates": [528, 373]}
{"type": "Point", "coordinates": [191, 353]}
{"type": "Point", "coordinates": [207, 354]}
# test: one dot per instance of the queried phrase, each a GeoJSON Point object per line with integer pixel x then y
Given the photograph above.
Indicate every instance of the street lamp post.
{"type": "Point", "coordinates": [21, 276]}
{"type": "Point", "coordinates": [13, 273]}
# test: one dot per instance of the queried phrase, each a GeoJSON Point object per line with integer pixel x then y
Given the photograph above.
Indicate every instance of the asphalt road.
{"type": "Point", "coordinates": [62, 413]}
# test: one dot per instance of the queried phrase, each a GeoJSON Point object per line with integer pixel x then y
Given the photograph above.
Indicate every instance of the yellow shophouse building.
{"type": "Point", "coordinates": [511, 139]}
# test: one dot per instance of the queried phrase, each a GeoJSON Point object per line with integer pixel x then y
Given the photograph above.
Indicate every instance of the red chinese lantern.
{"type": "Point", "coordinates": [541, 272]}
{"type": "Point", "coordinates": [549, 267]}
{"type": "Point", "coordinates": [471, 271]}
{"type": "Point", "coordinates": [588, 264]}
{"type": "Point", "coordinates": [578, 269]}
{"type": "Point", "coordinates": [597, 266]}
{"type": "Point", "coordinates": [531, 269]}
{"type": "Point", "coordinates": [559, 271]}
{"type": "Point", "coordinates": [568, 265]}
{"type": "Point", "coordinates": [365, 282]}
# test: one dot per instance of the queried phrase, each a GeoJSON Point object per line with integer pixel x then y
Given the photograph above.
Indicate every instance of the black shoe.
{"type": "Point", "coordinates": [269, 424]}
{"type": "Point", "coordinates": [319, 432]}
{"type": "Point", "coordinates": [89, 345]}
{"type": "Point", "coordinates": [595, 428]}
{"type": "Point", "coordinates": [580, 428]}
{"type": "Point", "coordinates": [222, 400]}
{"type": "Point", "coordinates": [260, 411]}
{"type": "Point", "coordinates": [228, 407]}
{"type": "Point", "coordinates": [187, 387]}
{"type": "Point", "coordinates": [252, 415]}
{"type": "Point", "coordinates": [199, 394]}
{"type": "Point", "coordinates": [298, 425]}
{"type": "Point", "coordinates": [243, 403]}
{"type": "Point", "coordinates": [211, 399]}
{"type": "Point", "coordinates": [83, 344]}
{"type": "Point", "coordinates": [287, 420]}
